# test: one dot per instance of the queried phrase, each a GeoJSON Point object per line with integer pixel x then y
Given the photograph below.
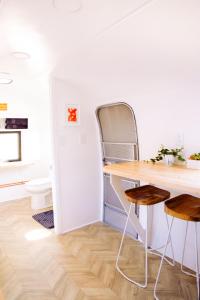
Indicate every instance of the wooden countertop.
{"type": "Point", "coordinates": [175, 177]}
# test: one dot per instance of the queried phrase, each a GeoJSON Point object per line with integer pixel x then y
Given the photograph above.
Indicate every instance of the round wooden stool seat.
{"type": "Point", "coordinates": [184, 207]}
{"type": "Point", "coordinates": [146, 195]}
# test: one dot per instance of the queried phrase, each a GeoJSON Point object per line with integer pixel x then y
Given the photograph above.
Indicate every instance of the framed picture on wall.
{"type": "Point", "coordinates": [73, 115]}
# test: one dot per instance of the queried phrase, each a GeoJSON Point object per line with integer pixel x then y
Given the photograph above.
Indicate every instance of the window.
{"type": "Point", "coordinates": [10, 146]}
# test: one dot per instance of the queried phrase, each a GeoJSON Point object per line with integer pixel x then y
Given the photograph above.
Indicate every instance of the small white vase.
{"type": "Point", "coordinates": [169, 159]}
{"type": "Point", "coordinates": [193, 164]}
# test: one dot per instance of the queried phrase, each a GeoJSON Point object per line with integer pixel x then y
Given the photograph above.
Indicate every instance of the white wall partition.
{"type": "Point", "coordinates": [76, 160]}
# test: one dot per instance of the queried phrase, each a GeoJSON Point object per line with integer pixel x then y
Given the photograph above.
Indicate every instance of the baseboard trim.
{"type": "Point", "coordinates": [81, 226]}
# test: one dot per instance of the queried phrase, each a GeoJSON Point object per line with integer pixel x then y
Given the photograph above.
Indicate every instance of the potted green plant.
{"type": "Point", "coordinates": [168, 155]}
{"type": "Point", "coordinates": [194, 161]}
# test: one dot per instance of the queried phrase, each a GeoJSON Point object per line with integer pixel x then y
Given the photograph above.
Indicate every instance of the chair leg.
{"type": "Point", "coordinates": [197, 261]}
{"type": "Point", "coordinates": [183, 255]}
{"type": "Point", "coordinates": [152, 251]}
{"type": "Point", "coordinates": [163, 256]}
{"type": "Point", "coordinates": [123, 235]}
{"type": "Point", "coordinates": [146, 257]}
{"type": "Point", "coordinates": [171, 245]}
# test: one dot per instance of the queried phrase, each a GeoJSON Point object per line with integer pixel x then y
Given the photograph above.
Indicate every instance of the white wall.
{"type": "Point", "coordinates": [76, 160]}
{"type": "Point", "coordinates": [28, 99]}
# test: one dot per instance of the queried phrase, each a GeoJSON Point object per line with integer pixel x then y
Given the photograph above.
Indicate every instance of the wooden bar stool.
{"type": "Point", "coordinates": [187, 208]}
{"type": "Point", "coordinates": [144, 195]}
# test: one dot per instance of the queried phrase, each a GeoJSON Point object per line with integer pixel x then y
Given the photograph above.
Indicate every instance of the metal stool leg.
{"type": "Point", "coordinates": [146, 257]}
{"type": "Point", "coordinates": [172, 249]}
{"type": "Point", "coordinates": [152, 251]}
{"type": "Point", "coordinates": [197, 261]}
{"type": "Point", "coordinates": [163, 256]}
{"type": "Point", "coordinates": [185, 272]}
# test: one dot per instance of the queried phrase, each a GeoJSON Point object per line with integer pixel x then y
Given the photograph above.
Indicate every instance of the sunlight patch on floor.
{"type": "Point", "coordinates": [37, 234]}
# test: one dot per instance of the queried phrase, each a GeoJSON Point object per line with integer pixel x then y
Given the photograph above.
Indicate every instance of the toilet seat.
{"type": "Point", "coordinates": [39, 181]}
{"type": "Point", "coordinates": [39, 185]}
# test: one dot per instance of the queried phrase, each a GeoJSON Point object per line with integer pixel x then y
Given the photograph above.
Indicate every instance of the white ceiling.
{"type": "Point", "coordinates": [74, 36]}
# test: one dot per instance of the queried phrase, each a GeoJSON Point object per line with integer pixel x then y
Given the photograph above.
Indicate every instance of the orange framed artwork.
{"type": "Point", "coordinates": [3, 106]}
{"type": "Point", "coordinates": [73, 114]}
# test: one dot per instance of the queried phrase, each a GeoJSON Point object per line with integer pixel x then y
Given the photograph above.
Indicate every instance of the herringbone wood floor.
{"type": "Point", "coordinates": [79, 265]}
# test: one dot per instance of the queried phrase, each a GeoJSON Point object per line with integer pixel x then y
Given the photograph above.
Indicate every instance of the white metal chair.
{"type": "Point", "coordinates": [187, 208]}
{"type": "Point", "coordinates": [145, 195]}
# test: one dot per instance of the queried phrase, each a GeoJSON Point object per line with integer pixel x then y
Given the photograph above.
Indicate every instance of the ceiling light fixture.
{"type": "Point", "coordinates": [21, 55]}
{"type": "Point", "coordinates": [5, 78]}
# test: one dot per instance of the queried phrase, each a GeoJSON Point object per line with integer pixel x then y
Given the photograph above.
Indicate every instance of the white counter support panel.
{"type": "Point", "coordinates": [116, 184]}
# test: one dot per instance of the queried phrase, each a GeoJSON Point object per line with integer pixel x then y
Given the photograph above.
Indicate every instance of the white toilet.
{"type": "Point", "coordinates": [40, 191]}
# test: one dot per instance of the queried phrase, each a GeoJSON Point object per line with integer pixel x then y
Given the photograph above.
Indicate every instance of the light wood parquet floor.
{"type": "Point", "coordinates": [79, 265]}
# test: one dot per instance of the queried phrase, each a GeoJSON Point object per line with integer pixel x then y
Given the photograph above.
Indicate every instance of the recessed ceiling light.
{"type": "Point", "coordinates": [21, 55]}
{"type": "Point", "coordinates": [5, 78]}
